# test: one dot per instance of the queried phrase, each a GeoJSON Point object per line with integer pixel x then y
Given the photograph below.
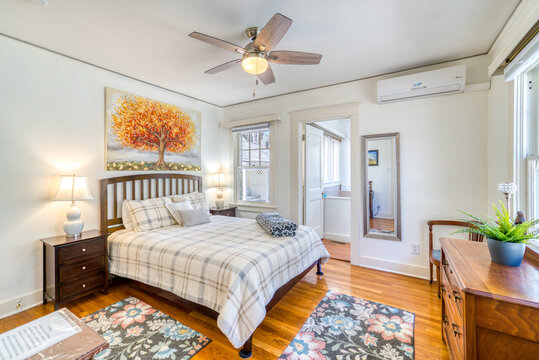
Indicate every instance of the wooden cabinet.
{"type": "Point", "coordinates": [489, 311]}
{"type": "Point", "coordinates": [227, 211]}
{"type": "Point", "coordinates": [73, 268]}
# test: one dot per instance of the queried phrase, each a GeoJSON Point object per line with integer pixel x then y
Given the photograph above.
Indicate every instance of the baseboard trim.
{"type": "Point", "coordinates": [27, 301]}
{"type": "Point", "coordinates": [337, 237]}
{"type": "Point", "coordinates": [421, 272]}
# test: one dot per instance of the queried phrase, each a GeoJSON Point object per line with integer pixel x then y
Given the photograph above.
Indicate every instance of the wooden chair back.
{"type": "Point", "coordinates": [464, 224]}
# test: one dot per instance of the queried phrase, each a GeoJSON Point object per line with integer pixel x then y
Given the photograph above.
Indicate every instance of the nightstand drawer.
{"type": "Point", "coordinates": [87, 249]}
{"type": "Point", "coordinates": [81, 285]}
{"type": "Point", "coordinates": [70, 271]}
{"type": "Point", "coordinates": [224, 212]}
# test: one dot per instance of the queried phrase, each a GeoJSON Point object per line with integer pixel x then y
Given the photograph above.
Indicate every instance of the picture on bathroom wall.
{"type": "Point", "coordinates": [143, 134]}
{"type": "Point", "coordinates": [373, 157]}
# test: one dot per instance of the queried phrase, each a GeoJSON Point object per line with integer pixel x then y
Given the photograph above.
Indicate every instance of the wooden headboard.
{"type": "Point", "coordinates": [113, 191]}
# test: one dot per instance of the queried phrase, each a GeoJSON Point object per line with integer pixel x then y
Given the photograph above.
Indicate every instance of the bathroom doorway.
{"type": "Point", "coordinates": [327, 179]}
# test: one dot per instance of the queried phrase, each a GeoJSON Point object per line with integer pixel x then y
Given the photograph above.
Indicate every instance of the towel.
{"type": "Point", "coordinates": [276, 225]}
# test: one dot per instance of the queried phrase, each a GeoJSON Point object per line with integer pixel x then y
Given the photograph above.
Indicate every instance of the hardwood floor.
{"type": "Point", "coordinates": [338, 250]}
{"type": "Point", "coordinates": [382, 224]}
{"type": "Point", "coordinates": [286, 318]}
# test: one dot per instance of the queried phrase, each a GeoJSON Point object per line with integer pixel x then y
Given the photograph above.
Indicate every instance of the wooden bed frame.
{"type": "Point", "coordinates": [113, 191]}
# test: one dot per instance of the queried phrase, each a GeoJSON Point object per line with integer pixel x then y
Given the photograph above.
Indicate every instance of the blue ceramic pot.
{"type": "Point", "coordinates": [506, 253]}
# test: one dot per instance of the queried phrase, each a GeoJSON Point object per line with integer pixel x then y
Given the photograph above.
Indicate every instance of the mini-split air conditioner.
{"type": "Point", "coordinates": [444, 81]}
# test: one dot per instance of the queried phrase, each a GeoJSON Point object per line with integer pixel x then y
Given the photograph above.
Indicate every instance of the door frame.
{"type": "Point", "coordinates": [298, 120]}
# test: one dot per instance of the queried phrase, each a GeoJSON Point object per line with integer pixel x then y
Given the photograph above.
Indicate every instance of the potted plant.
{"type": "Point", "coordinates": [506, 240]}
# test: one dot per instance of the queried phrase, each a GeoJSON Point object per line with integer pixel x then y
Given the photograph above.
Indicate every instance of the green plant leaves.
{"type": "Point", "coordinates": [502, 227]}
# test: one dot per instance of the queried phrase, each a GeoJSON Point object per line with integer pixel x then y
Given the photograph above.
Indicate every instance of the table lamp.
{"type": "Point", "coordinates": [218, 181]}
{"type": "Point", "coordinates": [508, 189]}
{"type": "Point", "coordinates": [73, 188]}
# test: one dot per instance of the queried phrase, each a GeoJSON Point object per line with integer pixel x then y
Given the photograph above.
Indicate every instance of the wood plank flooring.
{"type": "Point", "coordinates": [338, 250]}
{"type": "Point", "coordinates": [286, 318]}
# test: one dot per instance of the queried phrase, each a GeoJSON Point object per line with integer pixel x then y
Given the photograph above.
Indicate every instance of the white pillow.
{"type": "Point", "coordinates": [175, 208]}
{"type": "Point", "coordinates": [194, 217]}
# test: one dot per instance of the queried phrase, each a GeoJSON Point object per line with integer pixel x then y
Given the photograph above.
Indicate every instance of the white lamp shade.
{"type": "Point", "coordinates": [73, 188]}
{"type": "Point", "coordinates": [218, 180]}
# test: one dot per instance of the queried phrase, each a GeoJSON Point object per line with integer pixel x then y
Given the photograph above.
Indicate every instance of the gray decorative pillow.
{"type": "Point", "coordinates": [194, 217]}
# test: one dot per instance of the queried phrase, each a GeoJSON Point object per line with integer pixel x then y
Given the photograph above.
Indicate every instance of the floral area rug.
{"type": "Point", "coordinates": [344, 327]}
{"type": "Point", "coordinates": [137, 331]}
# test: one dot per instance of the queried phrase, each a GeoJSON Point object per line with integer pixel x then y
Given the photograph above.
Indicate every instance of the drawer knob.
{"type": "Point", "coordinates": [456, 295]}
{"type": "Point", "coordinates": [445, 263]}
{"type": "Point", "coordinates": [83, 249]}
{"type": "Point", "coordinates": [84, 268]}
{"type": "Point", "coordinates": [445, 321]}
{"type": "Point", "coordinates": [83, 286]}
{"type": "Point", "coordinates": [442, 287]}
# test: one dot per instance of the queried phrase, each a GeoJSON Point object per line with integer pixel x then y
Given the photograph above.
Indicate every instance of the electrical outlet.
{"type": "Point", "coordinates": [415, 249]}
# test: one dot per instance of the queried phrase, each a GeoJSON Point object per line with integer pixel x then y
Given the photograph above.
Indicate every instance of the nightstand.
{"type": "Point", "coordinates": [226, 211]}
{"type": "Point", "coordinates": [73, 268]}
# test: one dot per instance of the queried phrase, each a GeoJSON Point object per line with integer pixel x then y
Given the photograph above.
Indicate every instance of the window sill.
{"type": "Point", "coordinates": [253, 207]}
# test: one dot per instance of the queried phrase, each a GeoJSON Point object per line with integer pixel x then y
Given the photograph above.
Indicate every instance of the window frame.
{"type": "Point", "coordinates": [334, 155]}
{"type": "Point", "coordinates": [526, 144]}
{"type": "Point", "coordinates": [238, 164]}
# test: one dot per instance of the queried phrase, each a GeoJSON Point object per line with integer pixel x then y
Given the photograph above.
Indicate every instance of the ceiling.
{"type": "Point", "coordinates": [148, 40]}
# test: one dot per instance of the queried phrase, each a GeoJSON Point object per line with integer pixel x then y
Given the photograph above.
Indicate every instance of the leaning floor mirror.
{"type": "Point", "coordinates": [381, 186]}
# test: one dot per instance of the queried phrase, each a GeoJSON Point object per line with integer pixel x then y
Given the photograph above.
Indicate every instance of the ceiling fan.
{"type": "Point", "coordinates": [257, 54]}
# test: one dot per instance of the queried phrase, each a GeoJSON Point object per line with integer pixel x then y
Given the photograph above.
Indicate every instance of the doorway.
{"type": "Point", "coordinates": [327, 183]}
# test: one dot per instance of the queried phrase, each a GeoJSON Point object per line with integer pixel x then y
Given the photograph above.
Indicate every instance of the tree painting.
{"type": "Point", "coordinates": [143, 133]}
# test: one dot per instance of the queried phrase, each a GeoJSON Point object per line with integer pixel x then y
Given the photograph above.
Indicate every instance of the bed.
{"type": "Point", "coordinates": [229, 269]}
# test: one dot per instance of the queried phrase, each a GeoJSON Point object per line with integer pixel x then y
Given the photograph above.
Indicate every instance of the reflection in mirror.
{"type": "Point", "coordinates": [381, 192]}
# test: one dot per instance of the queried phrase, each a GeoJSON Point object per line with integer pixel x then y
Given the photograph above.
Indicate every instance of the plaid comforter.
{"type": "Point", "coordinates": [230, 265]}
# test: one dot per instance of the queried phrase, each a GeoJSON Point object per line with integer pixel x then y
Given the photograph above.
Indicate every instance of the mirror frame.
{"type": "Point", "coordinates": [397, 236]}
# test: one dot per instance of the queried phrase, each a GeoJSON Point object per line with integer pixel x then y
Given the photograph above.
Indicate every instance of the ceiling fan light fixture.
{"type": "Point", "coordinates": [254, 63]}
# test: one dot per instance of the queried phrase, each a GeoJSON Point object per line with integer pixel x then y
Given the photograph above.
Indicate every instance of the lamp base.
{"type": "Point", "coordinates": [219, 203]}
{"type": "Point", "coordinates": [73, 226]}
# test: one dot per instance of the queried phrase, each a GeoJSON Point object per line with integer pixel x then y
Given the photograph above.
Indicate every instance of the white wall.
{"type": "Point", "coordinates": [443, 156]}
{"type": "Point", "coordinates": [52, 123]}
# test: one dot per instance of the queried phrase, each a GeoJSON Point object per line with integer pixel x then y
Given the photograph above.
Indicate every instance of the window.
{"type": "Point", "coordinates": [253, 161]}
{"type": "Point", "coordinates": [527, 144]}
{"type": "Point", "coordinates": [330, 159]}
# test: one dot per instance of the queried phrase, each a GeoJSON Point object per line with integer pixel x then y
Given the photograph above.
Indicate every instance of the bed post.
{"type": "Point", "coordinates": [247, 350]}
{"type": "Point", "coordinates": [319, 267]}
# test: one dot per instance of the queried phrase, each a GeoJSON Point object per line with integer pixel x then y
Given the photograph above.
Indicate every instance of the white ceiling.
{"type": "Point", "coordinates": [148, 40]}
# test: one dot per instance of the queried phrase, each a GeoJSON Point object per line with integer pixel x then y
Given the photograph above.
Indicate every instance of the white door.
{"type": "Point", "coordinates": [314, 205]}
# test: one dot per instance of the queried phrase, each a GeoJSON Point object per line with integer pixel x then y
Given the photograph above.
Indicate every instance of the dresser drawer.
{"type": "Point", "coordinates": [94, 280]}
{"type": "Point", "coordinates": [453, 290]}
{"type": "Point", "coordinates": [73, 270]}
{"type": "Point", "coordinates": [450, 340]}
{"type": "Point", "coordinates": [454, 323]}
{"type": "Point", "coordinates": [87, 249]}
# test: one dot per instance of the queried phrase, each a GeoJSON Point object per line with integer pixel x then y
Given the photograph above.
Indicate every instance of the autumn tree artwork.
{"type": "Point", "coordinates": [145, 134]}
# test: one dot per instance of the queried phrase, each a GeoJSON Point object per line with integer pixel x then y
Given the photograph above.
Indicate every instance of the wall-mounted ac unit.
{"type": "Point", "coordinates": [448, 80]}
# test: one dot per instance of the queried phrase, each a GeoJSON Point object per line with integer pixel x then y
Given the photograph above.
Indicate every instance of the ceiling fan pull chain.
{"type": "Point", "coordinates": [256, 84]}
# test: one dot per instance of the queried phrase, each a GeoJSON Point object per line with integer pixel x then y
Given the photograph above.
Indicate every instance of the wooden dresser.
{"type": "Point", "coordinates": [489, 311]}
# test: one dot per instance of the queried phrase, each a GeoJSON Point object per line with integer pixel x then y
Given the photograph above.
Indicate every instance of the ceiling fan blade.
{"type": "Point", "coordinates": [294, 57]}
{"type": "Point", "coordinates": [217, 42]}
{"type": "Point", "coordinates": [223, 67]}
{"type": "Point", "coordinates": [272, 32]}
{"type": "Point", "coordinates": [267, 76]}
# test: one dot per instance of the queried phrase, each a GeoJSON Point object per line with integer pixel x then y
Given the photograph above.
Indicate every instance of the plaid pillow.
{"type": "Point", "coordinates": [197, 199]}
{"type": "Point", "coordinates": [150, 214]}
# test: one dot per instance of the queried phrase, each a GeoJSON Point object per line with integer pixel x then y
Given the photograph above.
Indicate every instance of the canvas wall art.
{"type": "Point", "coordinates": [373, 157]}
{"type": "Point", "coordinates": [143, 134]}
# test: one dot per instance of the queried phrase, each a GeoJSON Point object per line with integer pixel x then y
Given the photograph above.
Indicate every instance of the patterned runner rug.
{"type": "Point", "coordinates": [137, 331]}
{"type": "Point", "coordinates": [344, 327]}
